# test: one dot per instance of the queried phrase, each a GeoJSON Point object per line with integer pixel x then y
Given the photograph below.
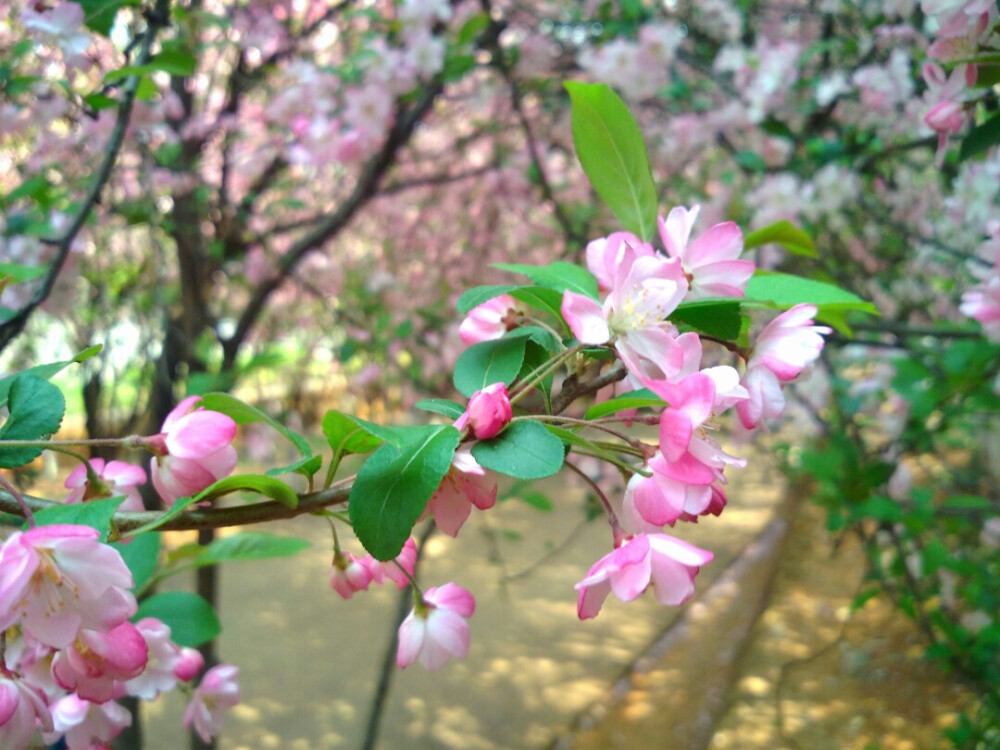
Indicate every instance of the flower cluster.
{"type": "Point", "coordinates": [70, 649]}
{"type": "Point", "coordinates": [682, 477]}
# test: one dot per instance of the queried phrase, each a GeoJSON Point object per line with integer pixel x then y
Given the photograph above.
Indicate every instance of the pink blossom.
{"type": "Point", "coordinates": [789, 343]}
{"type": "Point", "coordinates": [217, 693]}
{"type": "Point", "coordinates": [711, 262]}
{"type": "Point", "coordinates": [60, 26]}
{"type": "Point", "coordinates": [786, 346]}
{"type": "Point", "coordinates": [406, 559]}
{"type": "Point", "coordinates": [163, 658]}
{"type": "Point", "coordinates": [667, 563]}
{"type": "Point", "coordinates": [193, 450]}
{"type": "Point", "coordinates": [92, 664]}
{"type": "Point", "coordinates": [21, 707]}
{"type": "Point", "coordinates": [982, 303]}
{"type": "Point", "coordinates": [488, 412]}
{"type": "Point", "coordinates": [85, 725]}
{"type": "Point", "coordinates": [644, 292]}
{"type": "Point", "coordinates": [55, 580]}
{"type": "Point", "coordinates": [437, 628]}
{"type": "Point", "coordinates": [491, 320]}
{"type": "Point", "coordinates": [604, 255]}
{"type": "Point", "coordinates": [112, 479]}
{"type": "Point", "coordinates": [349, 574]}
{"type": "Point", "coordinates": [466, 484]}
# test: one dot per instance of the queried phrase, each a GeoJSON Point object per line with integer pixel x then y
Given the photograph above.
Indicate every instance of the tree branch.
{"type": "Point", "coordinates": [155, 20]}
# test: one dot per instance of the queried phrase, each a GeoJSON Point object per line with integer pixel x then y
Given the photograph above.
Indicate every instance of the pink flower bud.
{"type": "Point", "coordinates": [189, 665]}
{"type": "Point", "coordinates": [488, 412]}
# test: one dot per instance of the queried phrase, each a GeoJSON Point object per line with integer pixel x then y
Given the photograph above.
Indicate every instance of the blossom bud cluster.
{"type": "Point", "coordinates": [70, 648]}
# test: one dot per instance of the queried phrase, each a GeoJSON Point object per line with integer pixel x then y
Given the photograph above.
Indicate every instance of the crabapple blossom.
{"type": "Point", "coordinates": [22, 707]}
{"type": "Point", "coordinates": [466, 484]}
{"type": "Point", "coordinates": [55, 580]}
{"type": "Point", "coordinates": [711, 262]}
{"type": "Point", "coordinates": [605, 254]}
{"type": "Point", "coordinates": [85, 725]}
{"type": "Point", "coordinates": [95, 661]}
{"type": "Point", "coordinates": [193, 450]}
{"type": "Point", "coordinates": [164, 657]}
{"type": "Point", "coordinates": [784, 348]}
{"type": "Point", "coordinates": [644, 292]}
{"type": "Point", "coordinates": [437, 628]}
{"type": "Point", "coordinates": [667, 563]}
{"type": "Point", "coordinates": [406, 559]}
{"type": "Point", "coordinates": [491, 320]}
{"type": "Point", "coordinates": [488, 412]}
{"type": "Point", "coordinates": [217, 693]}
{"type": "Point", "coordinates": [349, 574]}
{"type": "Point", "coordinates": [111, 479]}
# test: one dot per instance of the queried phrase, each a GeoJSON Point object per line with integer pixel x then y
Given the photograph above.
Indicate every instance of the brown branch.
{"type": "Point", "coordinates": [211, 518]}
{"type": "Point", "coordinates": [157, 19]}
{"type": "Point", "coordinates": [571, 392]}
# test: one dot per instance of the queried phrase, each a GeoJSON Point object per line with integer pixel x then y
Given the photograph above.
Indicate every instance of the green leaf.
{"type": "Point", "coordinates": [496, 361]}
{"type": "Point", "coordinates": [558, 276]}
{"type": "Point", "coordinates": [718, 318]}
{"type": "Point", "coordinates": [19, 273]}
{"type": "Point", "coordinates": [244, 413]}
{"type": "Point", "coordinates": [750, 161]}
{"type": "Point", "coordinates": [99, 15]}
{"type": "Point", "coordinates": [179, 506]}
{"type": "Point", "coordinates": [639, 399]}
{"type": "Point", "coordinates": [610, 148]}
{"type": "Point", "coordinates": [45, 371]}
{"type": "Point", "coordinates": [980, 139]}
{"type": "Point", "coordinates": [393, 487]}
{"type": "Point", "coordinates": [263, 485]}
{"type": "Point", "coordinates": [305, 466]}
{"type": "Point", "coordinates": [142, 555]}
{"type": "Point", "coordinates": [536, 500]}
{"type": "Point", "coordinates": [347, 434]}
{"type": "Point", "coordinates": [191, 619]}
{"type": "Point", "coordinates": [542, 298]}
{"type": "Point", "coordinates": [783, 233]}
{"type": "Point", "coordinates": [968, 502]}
{"type": "Point", "coordinates": [472, 28]}
{"type": "Point", "coordinates": [442, 406]}
{"type": "Point", "coordinates": [477, 295]}
{"type": "Point", "coordinates": [36, 411]}
{"type": "Point", "coordinates": [173, 61]}
{"type": "Point", "coordinates": [525, 449]}
{"type": "Point", "coordinates": [250, 545]}
{"type": "Point", "coordinates": [784, 291]}
{"type": "Point", "coordinates": [96, 514]}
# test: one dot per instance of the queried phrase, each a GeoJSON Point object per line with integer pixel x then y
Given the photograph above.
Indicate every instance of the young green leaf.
{"type": "Point", "coordinates": [496, 361]}
{"type": "Point", "coordinates": [610, 148]}
{"type": "Point", "coordinates": [525, 449]}
{"type": "Point", "coordinates": [559, 276]}
{"type": "Point", "coordinates": [783, 233]}
{"type": "Point", "coordinates": [243, 413]}
{"type": "Point", "coordinates": [249, 545]}
{"type": "Point", "coordinates": [394, 485]}
{"type": "Point", "coordinates": [36, 411]}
